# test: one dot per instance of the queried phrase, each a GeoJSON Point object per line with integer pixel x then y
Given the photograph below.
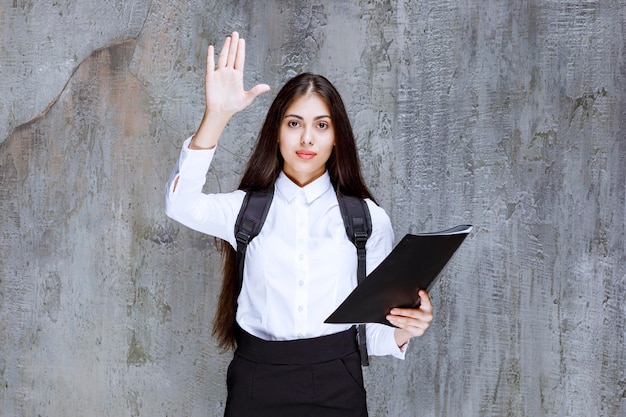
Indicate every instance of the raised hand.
{"type": "Point", "coordinates": [224, 91]}
{"type": "Point", "coordinates": [224, 82]}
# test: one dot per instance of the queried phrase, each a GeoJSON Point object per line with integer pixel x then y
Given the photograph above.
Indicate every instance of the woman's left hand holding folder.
{"type": "Point", "coordinates": [411, 322]}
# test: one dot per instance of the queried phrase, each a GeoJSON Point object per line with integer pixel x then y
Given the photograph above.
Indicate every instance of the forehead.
{"type": "Point", "coordinates": [308, 105]}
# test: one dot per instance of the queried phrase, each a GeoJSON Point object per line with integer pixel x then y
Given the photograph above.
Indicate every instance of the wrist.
{"type": "Point", "coordinates": [401, 337]}
{"type": "Point", "coordinates": [211, 128]}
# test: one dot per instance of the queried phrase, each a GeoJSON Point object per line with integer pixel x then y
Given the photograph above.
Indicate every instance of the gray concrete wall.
{"type": "Point", "coordinates": [507, 115]}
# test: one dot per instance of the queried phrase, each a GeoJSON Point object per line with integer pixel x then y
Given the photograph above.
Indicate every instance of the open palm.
{"type": "Point", "coordinates": [224, 82]}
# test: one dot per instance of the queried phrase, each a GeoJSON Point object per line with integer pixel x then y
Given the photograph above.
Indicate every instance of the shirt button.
{"type": "Point", "coordinates": [300, 309]}
{"type": "Point", "coordinates": [301, 283]}
{"type": "Point", "coordinates": [301, 257]}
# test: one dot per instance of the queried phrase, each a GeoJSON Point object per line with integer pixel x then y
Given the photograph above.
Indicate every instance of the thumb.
{"type": "Point", "coordinates": [256, 91]}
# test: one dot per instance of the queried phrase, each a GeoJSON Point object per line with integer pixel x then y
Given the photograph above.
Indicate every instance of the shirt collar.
{"type": "Point", "coordinates": [312, 191]}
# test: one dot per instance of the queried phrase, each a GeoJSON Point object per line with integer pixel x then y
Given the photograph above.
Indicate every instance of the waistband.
{"type": "Point", "coordinates": [296, 352]}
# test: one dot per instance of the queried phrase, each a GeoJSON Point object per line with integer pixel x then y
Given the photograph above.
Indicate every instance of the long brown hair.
{"type": "Point", "coordinates": [264, 166]}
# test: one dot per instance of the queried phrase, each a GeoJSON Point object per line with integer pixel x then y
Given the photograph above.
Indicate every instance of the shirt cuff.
{"type": "Point", "coordinates": [396, 352]}
{"type": "Point", "coordinates": [383, 341]}
{"type": "Point", "coordinates": [189, 173]}
{"type": "Point", "coordinates": [196, 157]}
{"type": "Point", "coordinates": [193, 163]}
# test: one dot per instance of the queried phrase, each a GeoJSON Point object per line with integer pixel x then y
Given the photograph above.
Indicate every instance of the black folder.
{"type": "Point", "coordinates": [415, 263]}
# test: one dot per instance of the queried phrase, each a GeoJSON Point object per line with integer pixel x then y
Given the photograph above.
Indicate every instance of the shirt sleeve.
{"type": "Point", "coordinates": [380, 338]}
{"type": "Point", "coordinates": [213, 214]}
{"type": "Point", "coordinates": [380, 341]}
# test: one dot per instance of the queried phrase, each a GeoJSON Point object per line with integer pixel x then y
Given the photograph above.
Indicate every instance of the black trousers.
{"type": "Point", "coordinates": [300, 378]}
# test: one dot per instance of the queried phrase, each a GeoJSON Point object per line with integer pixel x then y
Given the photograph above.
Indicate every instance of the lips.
{"type": "Point", "coordinates": [305, 154]}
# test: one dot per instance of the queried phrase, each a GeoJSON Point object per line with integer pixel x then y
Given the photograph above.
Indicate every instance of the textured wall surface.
{"type": "Point", "coordinates": [507, 115]}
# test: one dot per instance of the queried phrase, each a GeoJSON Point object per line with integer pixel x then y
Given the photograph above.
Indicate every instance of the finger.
{"type": "Point", "coordinates": [411, 330]}
{"type": "Point", "coordinates": [256, 91]}
{"type": "Point", "coordinates": [413, 325]}
{"type": "Point", "coordinates": [232, 52]}
{"type": "Point", "coordinates": [223, 56]}
{"type": "Point", "coordinates": [240, 59]}
{"type": "Point", "coordinates": [410, 317]}
{"type": "Point", "coordinates": [210, 60]}
{"type": "Point", "coordinates": [413, 318]}
{"type": "Point", "coordinates": [425, 303]}
{"type": "Point", "coordinates": [416, 313]}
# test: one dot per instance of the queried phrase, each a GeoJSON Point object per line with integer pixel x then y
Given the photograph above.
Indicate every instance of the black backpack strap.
{"type": "Point", "coordinates": [256, 205]}
{"type": "Point", "coordinates": [358, 223]}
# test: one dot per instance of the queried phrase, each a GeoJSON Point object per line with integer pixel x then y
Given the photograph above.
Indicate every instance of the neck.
{"type": "Point", "coordinates": [303, 180]}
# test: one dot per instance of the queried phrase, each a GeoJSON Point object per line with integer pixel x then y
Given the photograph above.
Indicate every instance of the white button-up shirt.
{"type": "Point", "coordinates": [300, 267]}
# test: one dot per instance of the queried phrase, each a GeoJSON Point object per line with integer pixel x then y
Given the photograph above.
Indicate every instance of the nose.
{"type": "Point", "coordinates": [307, 138]}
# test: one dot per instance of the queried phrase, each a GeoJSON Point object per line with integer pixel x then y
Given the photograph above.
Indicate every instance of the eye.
{"type": "Point", "coordinates": [293, 123]}
{"type": "Point", "coordinates": [323, 125]}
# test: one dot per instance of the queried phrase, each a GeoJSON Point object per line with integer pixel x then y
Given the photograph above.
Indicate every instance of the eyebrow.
{"type": "Point", "coordinates": [323, 116]}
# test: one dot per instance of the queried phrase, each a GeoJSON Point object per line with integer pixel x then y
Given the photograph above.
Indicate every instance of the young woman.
{"type": "Point", "coordinates": [301, 266]}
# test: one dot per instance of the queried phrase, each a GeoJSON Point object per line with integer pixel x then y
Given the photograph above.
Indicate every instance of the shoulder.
{"type": "Point", "coordinates": [380, 218]}
{"type": "Point", "coordinates": [376, 211]}
{"type": "Point", "coordinates": [381, 240]}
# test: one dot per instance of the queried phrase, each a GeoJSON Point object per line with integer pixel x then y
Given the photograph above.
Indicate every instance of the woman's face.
{"type": "Point", "coordinates": [306, 139]}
